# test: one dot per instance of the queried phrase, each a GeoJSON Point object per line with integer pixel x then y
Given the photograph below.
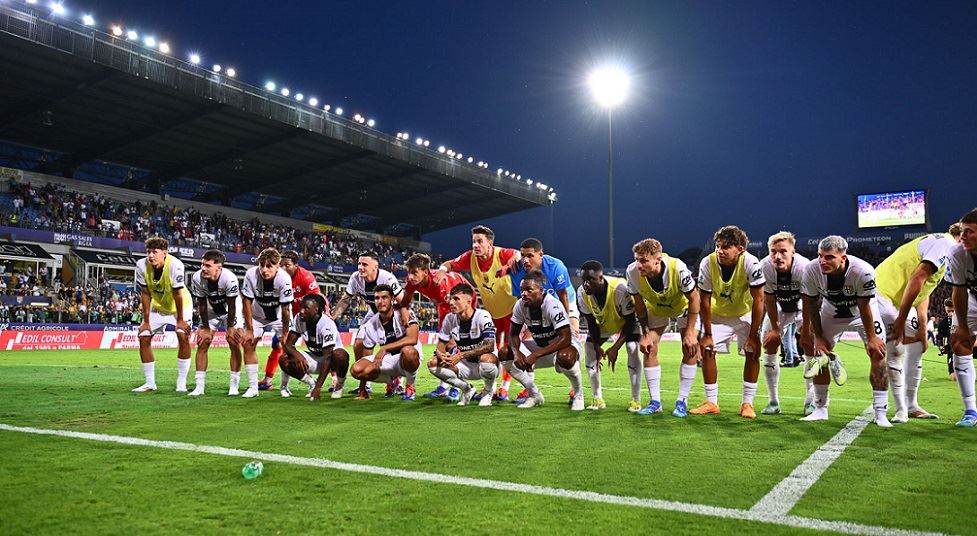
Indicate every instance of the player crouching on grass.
{"type": "Point", "coordinates": [552, 343]}
{"type": "Point", "coordinates": [396, 333]}
{"type": "Point", "coordinates": [321, 337]}
{"type": "Point", "coordinates": [219, 305]}
{"type": "Point", "coordinates": [474, 355]}
{"type": "Point", "coordinates": [165, 302]}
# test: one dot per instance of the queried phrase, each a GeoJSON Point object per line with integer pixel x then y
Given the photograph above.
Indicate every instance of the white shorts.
{"type": "Point", "coordinates": [784, 319]}
{"type": "Point", "coordinates": [262, 327]}
{"type": "Point", "coordinates": [832, 327]}
{"type": "Point", "coordinates": [219, 323]}
{"type": "Point", "coordinates": [159, 320]}
{"type": "Point", "coordinates": [311, 361]}
{"type": "Point", "coordinates": [889, 312]}
{"type": "Point", "coordinates": [682, 320]}
{"type": "Point", "coordinates": [725, 327]}
{"type": "Point", "coordinates": [548, 360]}
{"type": "Point", "coordinates": [470, 370]}
{"type": "Point", "coordinates": [389, 368]}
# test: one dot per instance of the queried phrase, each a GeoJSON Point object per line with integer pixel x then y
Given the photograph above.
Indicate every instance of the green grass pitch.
{"type": "Point", "coordinates": [919, 476]}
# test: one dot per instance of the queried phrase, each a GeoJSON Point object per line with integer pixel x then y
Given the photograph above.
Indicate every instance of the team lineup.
{"type": "Point", "coordinates": [520, 312]}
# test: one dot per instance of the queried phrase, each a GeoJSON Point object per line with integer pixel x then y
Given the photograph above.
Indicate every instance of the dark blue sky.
{"type": "Point", "coordinates": [767, 115]}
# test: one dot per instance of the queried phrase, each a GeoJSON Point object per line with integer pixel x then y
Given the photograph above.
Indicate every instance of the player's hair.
{"type": "Point", "coordinates": [970, 217]}
{"type": "Point", "coordinates": [157, 242]}
{"type": "Point", "coordinates": [291, 254]}
{"type": "Point", "coordinates": [833, 243]}
{"type": "Point", "coordinates": [418, 261]}
{"type": "Point", "coordinates": [648, 246]}
{"type": "Point", "coordinates": [532, 243]}
{"type": "Point", "coordinates": [371, 255]}
{"type": "Point", "coordinates": [592, 266]}
{"type": "Point", "coordinates": [462, 288]}
{"type": "Point", "coordinates": [269, 255]}
{"type": "Point", "coordinates": [781, 236]}
{"type": "Point", "coordinates": [214, 255]}
{"type": "Point", "coordinates": [317, 298]}
{"type": "Point", "coordinates": [484, 230]}
{"type": "Point", "coordinates": [535, 276]}
{"type": "Point", "coordinates": [731, 235]}
{"type": "Point", "coordinates": [383, 287]}
{"type": "Point", "coordinates": [956, 230]}
{"type": "Point", "coordinates": [948, 302]}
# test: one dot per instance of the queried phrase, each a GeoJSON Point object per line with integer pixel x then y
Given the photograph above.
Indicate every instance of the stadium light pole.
{"type": "Point", "coordinates": [609, 86]}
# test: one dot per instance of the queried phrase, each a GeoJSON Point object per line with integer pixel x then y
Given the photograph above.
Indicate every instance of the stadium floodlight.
{"type": "Point", "coordinates": [117, 30]}
{"type": "Point", "coordinates": [195, 58]}
{"type": "Point", "coordinates": [370, 123]}
{"type": "Point", "coordinates": [270, 86]}
{"type": "Point", "coordinates": [357, 117]}
{"type": "Point", "coordinates": [326, 108]}
{"type": "Point", "coordinates": [442, 149]}
{"type": "Point", "coordinates": [164, 48]}
{"type": "Point", "coordinates": [339, 111]}
{"type": "Point", "coordinates": [427, 143]}
{"type": "Point", "coordinates": [529, 182]}
{"type": "Point", "coordinates": [285, 92]}
{"type": "Point", "coordinates": [88, 20]}
{"type": "Point", "coordinates": [552, 196]}
{"type": "Point", "coordinates": [406, 135]}
{"type": "Point", "coordinates": [470, 160]}
{"type": "Point", "coordinates": [518, 177]}
{"type": "Point", "coordinates": [499, 172]}
{"type": "Point", "coordinates": [299, 97]}
{"type": "Point", "coordinates": [132, 35]}
{"type": "Point", "coordinates": [313, 101]}
{"type": "Point", "coordinates": [551, 188]}
{"type": "Point", "coordinates": [31, 2]}
{"type": "Point", "coordinates": [216, 68]}
{"type": "Point", "coordinates": [149, 41]}
{"type": "Point", "coordinates": [231, 72]}
{"type": "Point", "coordinates": [609, 86]}
{"type": "Point", "coordinates": [507, 173]}
{"type": "Point", "coordinates": [57, 8]}
{"type": "Point", "coordinates": [419, 141]}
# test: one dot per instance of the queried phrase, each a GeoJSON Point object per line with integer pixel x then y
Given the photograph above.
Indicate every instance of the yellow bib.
{"type": "Point", "coordinates": [608, 317]}
{"type": "Point", "coordinates": [495, 292]}
{"type": "Point", "coordinates": [732, 298]}
{"type": "Point", "coordinates": [892, 275]}
{"type": "Point", "coordinates": [161, 290]}
{"type": "Point", "coordinates": [670, 302]}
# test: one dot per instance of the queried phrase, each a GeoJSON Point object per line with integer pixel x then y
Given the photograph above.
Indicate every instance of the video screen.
{"type": "Point", "coordinates": [892, 209]}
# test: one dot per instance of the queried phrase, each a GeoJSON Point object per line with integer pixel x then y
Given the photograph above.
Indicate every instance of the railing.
{"type": "Point", "coordinates": [133, 58]}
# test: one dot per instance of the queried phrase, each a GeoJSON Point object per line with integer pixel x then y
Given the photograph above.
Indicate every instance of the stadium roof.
{"type": "Point", "coordinates": [91, 97]}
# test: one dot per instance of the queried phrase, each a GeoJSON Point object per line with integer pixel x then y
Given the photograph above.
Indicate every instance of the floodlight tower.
{"type": "Point", "coordinates": [609, 86]}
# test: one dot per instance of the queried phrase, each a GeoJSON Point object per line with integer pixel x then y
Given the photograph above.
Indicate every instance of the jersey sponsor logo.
{"type": "Point", "coordinates": [178, 278]}
{"type": "Point", "coordinates": [869, 285]}
{"type": "Point", "coordinates": [560, 317]}
{"type": "Point", "coordinates": [287, 292]}
{"type": "Point", "coordinates": [687, 280]}
{"type": "Point", "coordinates": [756, 274]}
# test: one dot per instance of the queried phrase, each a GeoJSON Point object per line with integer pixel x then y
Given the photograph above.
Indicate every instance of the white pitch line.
{"type": "Point", "coordinates": [789, 491]}
{"type": "Point", "coordinates": [589, 496]}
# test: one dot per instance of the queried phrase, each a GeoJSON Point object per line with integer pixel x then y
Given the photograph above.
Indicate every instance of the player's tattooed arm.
{"type": "Point", "coordinates": [342, 305]}
{"type": "Point", "coordinates": [485, 348]}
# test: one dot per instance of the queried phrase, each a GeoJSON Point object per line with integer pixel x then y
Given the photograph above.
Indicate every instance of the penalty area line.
{"type": "Point", "coordinates": [589, 496]}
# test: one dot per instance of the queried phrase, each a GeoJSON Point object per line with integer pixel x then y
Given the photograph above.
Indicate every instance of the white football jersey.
{"type": "Point", "coordinates": [177, 272]}
{"type": "Point", "coordinates": [785, 286]}
{"type": "Point", "coordinates": [215, 292]}
{"type": "Point", "coordinates": [840, 292]}
{"type": "Point", "coordinates": [318, 336]}
{"type": "Point", "coordinates": [268, 296]}
{"type": "Point", "coordinates": [468, 334]}
{"type": "Point", "coordinates": [544, 322]}
{"type": "Point", "coordinates": [961, 270]}
{"type": "Point", "coordinates": [358, 286]}
{"type": "Point", "coordinates": [684, 276]}
{"type": "Point", "coordinates": [377, 332]}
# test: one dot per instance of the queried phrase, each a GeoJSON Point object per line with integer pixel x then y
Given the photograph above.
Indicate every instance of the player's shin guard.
{"type": "Point", "coordinates": [963, 365]}
{"type": "Point", "coordinates": [521, 376]}
{"type": "Point", "coordinates": [182, 369]}
{"type": "Point", "coordinates": [895, 357]}
{"type": "Point", "coordinates": [576, 379]}
{"type": "Point", "coordinates": [449, 376]}
{"type": "Point", "coordinates": [271, 365]}
{"type": "Point", "coordinates": [749, 392]}
{"type": "Point", "coordinates": [489, 373]}
{"type": "Point", "coordinates": [913, 368]}
{"type": "Point", "coordinates": [252, 372]}
{"type": "Point", "coordinates": [712, 392]}
{"type": "Point", "coordinates": [771, 371]}
{"type": "Point", "coordinates": [653, 377]}
{"type": "Point", "coordinates": [686, 377]}
{"type": "Point", "coordinates": [635, 367]}
{"type": "Point", "coordinates": [593, 372]}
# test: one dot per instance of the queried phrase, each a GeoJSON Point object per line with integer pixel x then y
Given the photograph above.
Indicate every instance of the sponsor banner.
{"type": "Point", "coordinates": [48, 340]}
{"type": "Point", "coordinates": [677, 337]}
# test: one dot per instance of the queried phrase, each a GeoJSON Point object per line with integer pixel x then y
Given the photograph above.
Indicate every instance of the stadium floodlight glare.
{"type": "Point", "coordinates": [216, 68]}
{"type": "Point", "coordinates": [132, 35]}
{"type": "Point", "coordinates": [149, 42]}
{"type": "Point", "coordinates": [231, 72]}
{"type": "Point", "coordinates": [299, 97]}
{"type": "Point", "coordinates": [339, 111]}
{"type": "Point", "coordinates": [164, 48]}
{"type": "Point", "coordinates": [427, 143]}
{"type": "Point", "coordinates": [518, 177]}
{"type": "Point", "coordinates": [57, 8]}
{"type": "Point", "coordinates": [507, 173]}
{"type": "Point", "coordinates": [419, 141]}
{"type": "Point", "coordinates": [117, 30]}
{"type": "Point", "coordinates": [609, 85]}
{"type": "Point", "coordinates": [326, 108]}
{"type": "Point", "coordinates": [195, 58]}
{"type": "Point", "coordinates": [285, 92]}
{"type": "Point", "coordinates": [88, 20]}
{"type": "Point", "coordinates": [313, 101]}
{"type": "Point", "coordinates": [270, 86]}
{"type": "Point", "coordinates": [529, 182]}
{"type": "Point", "coordinates": [551, 188]}
{"type": "Point", "coordinates": [357, 117]}
{"type": "Point", "coordinates": [460, 156]}
{"type": "Point", "coordinates": [31, 2]}
{"type": "Point", "coordinates": [499, 172]}
{"type": "Point", "coordinates": [470, 160]}
{"type": "Point", "coordinates": [370, 123]}
{"type": "Point", "coordinates": [442, 149]}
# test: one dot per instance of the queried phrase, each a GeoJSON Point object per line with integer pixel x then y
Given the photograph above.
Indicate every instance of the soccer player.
{"type": "Point", "coordinates": [485, 262]}
{"type": "Point", "coordinates": [396, 338]}
{"type": "Point", "coordinates": [219, 305]}
{"type": "Point", "coordinates": [962, 274]}
{"type": "Point", "coordinates": [608, 309]}
{"type": "Point", "coordinates": [420, 279]}
{"type": "Point", "coordinates": [663, 289]}
{"type": "Point", "coordinates": [782, 271]}
{"type": "Point", "coordinates": [474, 354]}
{"type": "Point", "coordinates": [905, 281]}
{"type": "Point", "coordinates": [846, 286]}
{"type": "Point", "coordinates": [325, 353]}
{"type": "Point", "coordinates": [267, 297]}
{"type": "Point", "coordinates": [303, 282]}
{"type": "Point", "coordinates": [552, 343]}
{"type": "Point", "coordinates": [165, 302]}
{"type": "Point", "coordinates": [732, 283]}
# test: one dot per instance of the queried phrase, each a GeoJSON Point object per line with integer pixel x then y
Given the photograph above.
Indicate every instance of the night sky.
{"type": "Point", "coordinates": [768, 115]}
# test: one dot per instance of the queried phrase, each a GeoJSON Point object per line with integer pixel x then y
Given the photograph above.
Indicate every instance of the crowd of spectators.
{"type": "Point", "coordinates": [54, 207]}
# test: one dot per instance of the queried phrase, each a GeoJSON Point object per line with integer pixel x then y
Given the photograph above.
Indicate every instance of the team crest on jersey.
{"type": "Point", "coordinates": [849, 289]}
